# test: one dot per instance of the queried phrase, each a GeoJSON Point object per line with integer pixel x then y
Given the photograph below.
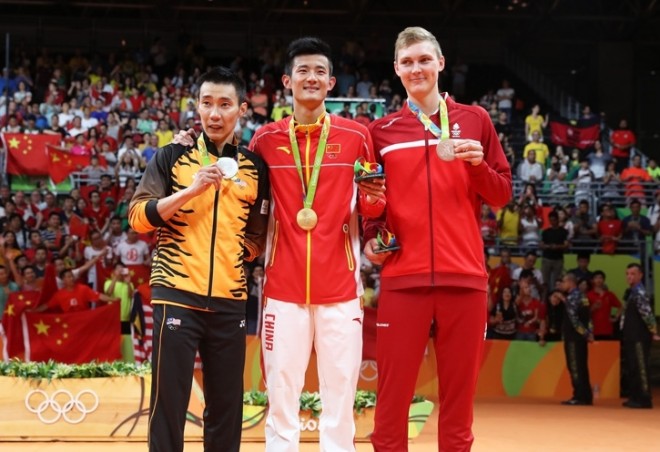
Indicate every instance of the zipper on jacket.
{"type": "Point", "coordinates": [347, 246]}
{"type": "Point", "coordinates": [428, 178]}
{"type": "Point", "coordinates": [213, 234]}
{"type": "Point", "coordinates": [276, 235]}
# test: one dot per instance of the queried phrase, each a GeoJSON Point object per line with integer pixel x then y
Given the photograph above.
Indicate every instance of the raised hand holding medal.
{"type": "Point", "coordinates": [306, 218]}
{"type": "Point", "coordinates": [446, 147]}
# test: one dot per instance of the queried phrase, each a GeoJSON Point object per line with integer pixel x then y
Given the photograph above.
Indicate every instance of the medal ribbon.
{"type": "Point", "coordinates": [310, 191]}
{"type": "Point", "coordinates": [201, 145]}
{"type": "Point", "coordinates": [430, 125]}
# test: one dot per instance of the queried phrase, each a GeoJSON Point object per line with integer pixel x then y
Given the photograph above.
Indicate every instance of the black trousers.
{"type": "Point", "coordinates": [220, 338]}
{"type": "Point", "coordinates": [577, 360]}
{"type": "Point", "coordinates": [637, 362]}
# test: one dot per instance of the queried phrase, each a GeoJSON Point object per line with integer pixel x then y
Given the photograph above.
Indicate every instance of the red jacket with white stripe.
{"type": "Point", "coordinates": [322, 265]}
{"type": "Point", "coordinates": [433, 206]}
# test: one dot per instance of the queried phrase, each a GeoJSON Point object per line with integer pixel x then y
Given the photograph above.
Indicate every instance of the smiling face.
{"type": "Point", "coordinates": [418, 66]}
{"type": "Point", "coordinates": [310, 80]}
{"type": "Point", "coordinates": [219, 109]}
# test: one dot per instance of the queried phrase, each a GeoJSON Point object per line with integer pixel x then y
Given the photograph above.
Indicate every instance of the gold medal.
{"type": "Point", "coordinates": [307, 219]}
{"type": "Point", "coordinates": [445, 150]}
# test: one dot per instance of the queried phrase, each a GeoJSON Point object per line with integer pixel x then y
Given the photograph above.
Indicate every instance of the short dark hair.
{"type": "Point", "coordinates": [309, 45]}
{"type": "Point", "coordinates": [635, 265]}
{"type": "Point", "coordinates": [599, 273]}
{"type": "Point", "coordinates": [224, 76]}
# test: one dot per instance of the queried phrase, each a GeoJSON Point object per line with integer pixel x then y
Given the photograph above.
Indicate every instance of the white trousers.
{"type": "Point", "coordinates": [288, 332]}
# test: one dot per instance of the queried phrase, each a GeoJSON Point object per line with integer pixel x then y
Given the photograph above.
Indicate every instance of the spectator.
{"type": "Point", "coordinates": [132, 250]}
{"type": "Point", "coordinates": [552, 318]}
{"type": "Point", "coordinates": [605, 308]}
{"type": "Point", "coordinates": [611, 184]}
{"type": "Point", "coordinates": [503, 317]}
{"type": "Point", "coordinates": [639, 330]}
{"type": "Point", "coordinates": [585, 227]}
{"type": "Point", "coordinates": [636, 226]}
{"type": "Point", "coordinates": [577, 332]}
{"type": "Point", "coordinates": [598, 161]}
{"type": "Point", "coordinates": [541, 149]}
{"type": "Point", "coordinates": [529, 169]}
{"type": "Point", "coordinates": [528, 312]}
{"type": "Point", "coordinates": [488, 225]}
{"type": "Point", "coordinates": [554, 243]}
{"type": "Point", "coordinates": [535, 122]}
{"type": "Point", "coordinates": [654, 218]}
{"type": "Point", "coordinates": [653, 169]}
{"type": "Point", "coordinates": [623, 140]}
{"type": "Point", "coordinates": [73, 297]}
{"type": "Point", "coordinates": [503, 127]}
{"type": "Point", "coordinates": [635, 178]}
{"type": "Point", "coordinates": [533, 275]}
{"type": "Point", "coordinates": [583, 183]}
{"type": "Point", "coordinates": [504, 97]}
{"type": "Point", "coordinates": [529, 228]}
{"type": "Point", "coordinates": [500, 276]}
{"type": "Point", "coordinates": [610, 229]}
{"type": "Point", "coordinates": [97, 246]}
{"type": "Point", "coordinates": [582, 271]}
{"type": "Point", "coordinates": [120, 287]}
{"type": "Point", "coordinates": [508, 219]}
{"type": "Point", "coordinates": [556, 176]}
{"type": "Point", "coordinates": [97, 213]}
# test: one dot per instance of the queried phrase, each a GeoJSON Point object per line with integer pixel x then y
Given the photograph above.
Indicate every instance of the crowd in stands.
{"type": "Point", "coordinates": [121, 110]}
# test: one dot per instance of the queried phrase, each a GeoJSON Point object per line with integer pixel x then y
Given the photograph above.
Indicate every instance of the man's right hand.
{"type": "Point", "coordinates": [375, 258]}
{"type": "Point", "coordinates": [185, 137]}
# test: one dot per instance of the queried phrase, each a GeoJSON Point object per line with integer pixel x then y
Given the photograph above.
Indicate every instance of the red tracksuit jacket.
{"type": "Point", "coordinates": [322, 265]}
{"type": "Point", "coordinates": [433, 206]}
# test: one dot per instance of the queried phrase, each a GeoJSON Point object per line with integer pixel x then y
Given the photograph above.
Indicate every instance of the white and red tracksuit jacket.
{"type": "Point", "coordinates": [433, 206]}
{"type": "Point", "coordinates": [322, 265]}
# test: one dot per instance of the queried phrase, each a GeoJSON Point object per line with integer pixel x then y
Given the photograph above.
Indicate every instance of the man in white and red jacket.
{"type": "Point", "coordinates": [439, 274]}
{"type": "Point", "coordinates": [312, 284]}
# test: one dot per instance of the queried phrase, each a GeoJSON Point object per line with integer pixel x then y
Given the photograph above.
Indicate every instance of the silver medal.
{"type": "Point", "coordinates": [228, 166]}
{"type": "Point", "coordinates": [445, 150]}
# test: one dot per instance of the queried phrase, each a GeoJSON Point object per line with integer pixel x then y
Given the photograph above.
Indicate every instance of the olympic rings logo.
{"type": "Point", "coordinates": [51, 409]}
{"type": "Point", "coordinates": [368, 370]}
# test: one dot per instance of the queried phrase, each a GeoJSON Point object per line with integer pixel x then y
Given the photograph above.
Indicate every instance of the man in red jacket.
{"type": "Point", "coordinates": [439, 273]}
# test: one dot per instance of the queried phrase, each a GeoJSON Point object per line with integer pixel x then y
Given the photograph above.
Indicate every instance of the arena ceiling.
{"type": "Point", "coordinates": [630, 20]}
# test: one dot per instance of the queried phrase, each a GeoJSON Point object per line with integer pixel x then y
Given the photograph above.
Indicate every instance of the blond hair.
{"type": "Point", "coordinates": [413, 35]}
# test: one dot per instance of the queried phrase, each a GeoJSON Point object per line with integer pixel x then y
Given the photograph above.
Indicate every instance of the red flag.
{"type": "Point", "coordinates": [26, 153]}
{"type": "Point", "coordinates": [564, 133]}
{"type": "Point", "coordinates": [17, 302]}
{"type": "Point", "coordinates": [74, 337]}
{"type": "Point", "coordinates": [49, 284]}
{"type": "Point", "coordinates": [139, 274]}
{"type": "Point", "coordinates": [78, 227]}
{"type": "Point", "coordinates": [61, 163]}
{"type": "Point", "coordinates": [103, 272]}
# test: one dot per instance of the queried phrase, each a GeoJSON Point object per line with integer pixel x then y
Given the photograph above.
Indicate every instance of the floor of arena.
{"type": "Point", "coordinates": [505, 425]}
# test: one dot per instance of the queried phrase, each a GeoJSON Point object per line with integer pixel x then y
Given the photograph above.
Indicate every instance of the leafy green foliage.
{"type": "Point", "coordinates": [364, 399]}
{"type": "Point", "coordinates": [311, 401]}
{"type": "Point", "coordinates": [53, 370]}
{"type": "Point", "coordinates": [255, 398]}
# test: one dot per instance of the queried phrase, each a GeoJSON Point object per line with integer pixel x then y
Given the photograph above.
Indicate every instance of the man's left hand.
{"type": "Point", "coordinates": [470, 151]}
{"type": "Point", "coordinates": [373, 188]}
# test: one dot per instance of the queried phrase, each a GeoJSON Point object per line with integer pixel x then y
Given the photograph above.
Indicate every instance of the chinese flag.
{"type": "Point", "coordinates": [26, 154]}
{"type": "Point", "coordinates": [17, 302]}
{"type": "Point", "coordinates": [139, 274]}
{"type": "Point", "coordinates": [75, 337]}
{"type": "Point", "coordinates": [103, 272]}
{"type": "Point", "coordinates": [78, 226]}
{"type": "Point", "coordinates": [61, 163]}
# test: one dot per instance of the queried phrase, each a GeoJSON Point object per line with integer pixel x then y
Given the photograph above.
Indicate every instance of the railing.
{"type": "Point", "coordinates": [563, 193]}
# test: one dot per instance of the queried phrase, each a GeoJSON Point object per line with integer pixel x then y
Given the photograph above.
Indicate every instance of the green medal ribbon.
{"type": "Point", "coordinates": [201, 145]}
{"type": "Point", "coordinates": [430, 125]}
{"type": "Point", "coordinates": [309, 191]}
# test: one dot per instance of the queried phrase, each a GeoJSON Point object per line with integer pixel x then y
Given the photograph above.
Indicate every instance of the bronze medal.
{"type": "Point", "coordinates": [307, 219]}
